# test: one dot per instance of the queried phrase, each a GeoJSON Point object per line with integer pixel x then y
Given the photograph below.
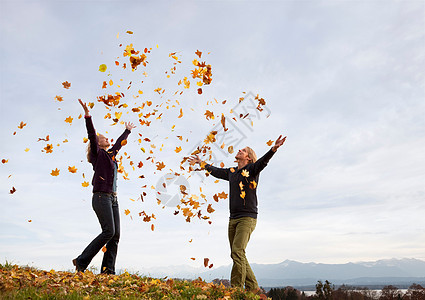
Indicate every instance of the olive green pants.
{"type": "Point", "coordinates": [239, 233]}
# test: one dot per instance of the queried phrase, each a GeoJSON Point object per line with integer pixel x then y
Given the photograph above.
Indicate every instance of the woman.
{"type": "Point", "coordinates": [243, 203]}
{"type": "Point", "coordinates": [104, 201]}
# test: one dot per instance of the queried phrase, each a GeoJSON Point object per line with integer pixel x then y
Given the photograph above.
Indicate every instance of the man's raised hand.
{"type": "Point", "coordinates": [86, 110]}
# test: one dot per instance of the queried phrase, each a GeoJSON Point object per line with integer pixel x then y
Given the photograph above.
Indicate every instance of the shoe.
{"type": "Point", "coordinates": [77, 268]}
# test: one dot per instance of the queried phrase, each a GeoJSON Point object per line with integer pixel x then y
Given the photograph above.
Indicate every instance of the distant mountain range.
{"type": "Point", "coordinates": [382, 272]}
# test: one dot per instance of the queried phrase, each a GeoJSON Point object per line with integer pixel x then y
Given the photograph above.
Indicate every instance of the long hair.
{"type": "Point", "coordinates": [88, 152]}
{"type": "Point", "coordinates": [251, 155]}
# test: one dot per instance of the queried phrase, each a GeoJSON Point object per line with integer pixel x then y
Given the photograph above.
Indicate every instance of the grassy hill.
{"type": "Point", "coordinates": [30, 283]}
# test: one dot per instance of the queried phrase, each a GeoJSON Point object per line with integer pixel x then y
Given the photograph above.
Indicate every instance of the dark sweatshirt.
{"type": "Point", "coordinates": [242, 207]}
{"type": "Point", "coordinates": [103, 161]}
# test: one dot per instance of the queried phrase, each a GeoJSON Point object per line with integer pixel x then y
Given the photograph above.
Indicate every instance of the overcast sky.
{"type": "Point", "coordinates": [344, 80]}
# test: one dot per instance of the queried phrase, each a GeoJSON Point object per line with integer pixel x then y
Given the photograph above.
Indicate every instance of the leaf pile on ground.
{"type": "Point", "coordinates": [30, 283]}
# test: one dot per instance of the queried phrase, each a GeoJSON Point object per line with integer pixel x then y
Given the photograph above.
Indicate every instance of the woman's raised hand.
{"type": "Point", "coordinates": [86, 110]}
{"type": "Point", "coordinates": [279, 142]}
{"type": "Point", "coordinates": [194, 160]}
{"type": "Point", "coordinates": [129, 126]}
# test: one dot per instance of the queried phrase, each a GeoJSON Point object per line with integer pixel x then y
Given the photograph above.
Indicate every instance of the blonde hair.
{"type": "Point", "coordinates": [88, 150]}
{"type": "Point", "coordinates": [251, 155]}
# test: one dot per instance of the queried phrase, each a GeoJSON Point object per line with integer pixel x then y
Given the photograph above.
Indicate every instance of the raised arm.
{"type": "Point", "coordinates": [94, 147]}
{"type": "Point", "coordinates": [262, 162]}
{"type": "Point", "coordinates": [119, 143]}
{"type": "Point", "coordinates": [220, 173]}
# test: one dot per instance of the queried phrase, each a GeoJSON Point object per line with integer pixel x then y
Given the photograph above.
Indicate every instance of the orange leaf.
{"type": "Point", "coordinates": [206, 260]}
{"type": "Point", "coordinates": [59, 98]}
{"type": "Point", "coordinates": [69, 120]}
{"type": "Point", "coordinates": [199, 53]}
{"type": "Point", "coordinates": [222, 195]}
{"type": "Point", "coordinates": [160, 166]}
{"type": "Point", "coordinates": [232, 170]}
{"type": "Point", "coordinates": [252, 185]}
{"type": "Point", "coordinates": [230, 149]}
{"type": "Point", "coordinates": [178, 149]}
{"type": "Point", "coordinates": [242, 194]}
{"type": "Point", "coordinates": [55, 172]}
{"type": "Point", "coordinates": [49, 148]}
{"type": "Point", "coordinates": [222, 165]}
{"type": "Point", "coordinates": [4, 161]}
{"type": "Point", "coordinates": [152, 227]}
{"type": "Point", "coordinates": [124, 142]}
{"type": "Point", "coordinates": [210, 209]}
{"type": "Point", "coordinates": [270, 142]}
{"type": "Point", "coordinates": [85, 184]}
{"type": "Point", "coordinates": [192, 258]}
{"type": "Point", "coordinates": [66, 84]}
{"type": "Point", "coordinates": [200, 91]}
{"type": "Point", "coordinates": [181, 113]}
{"type": "Point", "coordinates": [209, 115]}
{"type": "Point", "coordinates": [72, 169]}
{"type": "Point", "coordinates": [22, 125]}
{"type": "Point", "coordinates": [104, 249]}
{"type": "Point", "coordinates": [127, 212]}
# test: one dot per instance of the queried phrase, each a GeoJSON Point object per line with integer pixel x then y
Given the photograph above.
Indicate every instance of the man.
{"type": "Point", "coordinates": [243, 203]}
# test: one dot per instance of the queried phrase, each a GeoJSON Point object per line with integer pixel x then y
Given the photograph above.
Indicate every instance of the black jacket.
{"type": "Point", "coordinates": [242, 207]}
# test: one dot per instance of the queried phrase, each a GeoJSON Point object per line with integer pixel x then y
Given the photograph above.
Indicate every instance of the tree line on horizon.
{"type": "Point", "coordinates": [327, 291]}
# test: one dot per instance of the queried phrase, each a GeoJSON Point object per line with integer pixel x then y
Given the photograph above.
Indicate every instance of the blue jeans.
{"type": "Point", "coordinates": [105, 206]}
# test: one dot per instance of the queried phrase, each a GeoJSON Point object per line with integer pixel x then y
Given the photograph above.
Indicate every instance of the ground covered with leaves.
{"type": "Point", "coordinates": [29, 283]}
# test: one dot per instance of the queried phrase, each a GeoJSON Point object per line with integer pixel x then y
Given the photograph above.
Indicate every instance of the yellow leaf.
{"type": "Point", "coordinates": [242, 194]}
{"type": "Point", "coordinates": [230, 149]}
{"type": "Point", "coordinates": [111, 82]}
{"type": "Point", "coordinates": [127, 212]}
{"type": "Point", "coordinates": [85, 184]}
{"type": "Point", "coordinates": [27, 149]}
{"type": "Point", "coordinates": [245, 173]}
{"type": "Point", "coordinates": [232, 170]}
{"type": "Point", "coordinates": [102, 68]}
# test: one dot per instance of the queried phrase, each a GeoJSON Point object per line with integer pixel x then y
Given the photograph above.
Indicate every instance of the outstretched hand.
{"type": "Point", "coordinates": [194, 160]}
{"type": "Point", "coordinates": [129, 126]}
{"type": "Point", "coordinates": [279, 142]}
{"type": "Point", "coordinates": [86, 110]}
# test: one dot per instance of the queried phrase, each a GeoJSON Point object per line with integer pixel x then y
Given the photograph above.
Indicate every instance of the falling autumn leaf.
{"type": "Point", "coordinates": [178, 149]}
{"type": "Point", "coordinates": [209, 115]}
{"type": "Point", "coordinates": [48, 148]}
{"type": "Point", "coordinates": [72, 169]}
{"type": "Point", "coordinates": [232, 170]}
{"type": "Point", "coordinates": [69, 120]}
{"type": "Point", "coordinates": [102, 68]}
{"type": "Point", "coordinates": [242, 194]}
{"type": "Point", "coordinates": [206, 260]}
{"type": "Point", "coordinates": [152, 227]}
{"type": "Point", "coordinates": [85, 184]}
{"type": "Point", "coordinates": [4, 161]}
{"type": "Point", "coordinates": [127, 212]}
{"type": "Point", "coordinates": [66, 84]}
{"type": "Point", "coordinates": [181, 113]}
{"type": "Point", "coordinates": [230, 149]}
{"type": "Point", "coordinates": [104, 249]}
{"type": "Point", "coordinates": [245, 173]}
{"type": "Point", "coordinates": [55, 172]}
{"type": "Point", "coordinates": [22, 125]}
{"type": "Point", "coordinates": [199, 91]}
{"type": "Point", "coordinates": [160, 166]}
{"type": "Point", "coordinates": [12, 190]}
{"type": "Point", "coordinates": [270, 142]}
{"type": "Point", "coordinates": [199, 53]}
{"type": "Point", "coordinates": [129, 32]}
{"type": "Point", "coordinates": [210, 209]}
{"type": "Point", "coordinates": [222, 195]}
{"type": "Point", "coordinates": [59, 98]}
{"type": "Point", "coordinates": [123, 142]}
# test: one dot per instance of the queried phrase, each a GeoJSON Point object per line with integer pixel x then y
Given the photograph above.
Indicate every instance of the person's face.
{"type": "Point", "coordinates": [242, 154]}
{"type": "Point", "coordinates": [103, 141]}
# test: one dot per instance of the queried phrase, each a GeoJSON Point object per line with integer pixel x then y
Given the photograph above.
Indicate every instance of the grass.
{"type": "Point", "coordinates": [20, 282]}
